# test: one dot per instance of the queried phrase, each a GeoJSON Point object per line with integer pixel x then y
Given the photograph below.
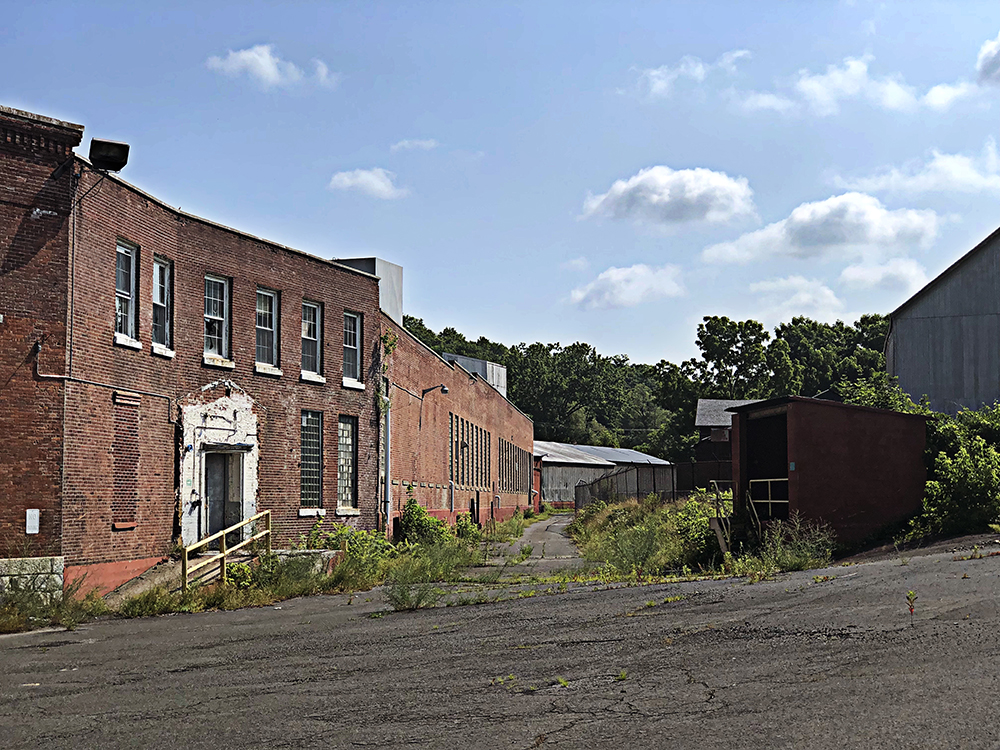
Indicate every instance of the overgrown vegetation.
{"type": "Point", "coordinates": [26, 605]}
{"type": "Point", "coordinates": [962, 493]}
{"type": "Point", "coordinates": [649, 537]}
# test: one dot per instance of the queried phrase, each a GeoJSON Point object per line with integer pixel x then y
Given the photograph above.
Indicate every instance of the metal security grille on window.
{"type": "Point", "coordinates": [265, 328]}
{"type": "Point", "coordinates": [215, 317]}
{"type": "Point", "coordinates": [351, 359]}
{"type": "Point", "coordinates": [310, 338]}
{"type": "Point", "coordinates": [312, 460]}
{"type": "Point", "coordinates": [124, 286]}
{"type": "Point", "coordinates": [347, 463]}
{"type": "Point", "coordinates": [161, 303]}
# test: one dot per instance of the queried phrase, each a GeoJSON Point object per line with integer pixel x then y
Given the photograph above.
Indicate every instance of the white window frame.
{"type": "Point", "coordinates": [224, 354]}
{"type": "Point", "coordinates": [128, 298]}
{"type": "Point", "coordinates": [317, 309]}
{"type": "Point", "coordinates": [273, 330]}
{"type": "Point", "coordinates": [356, 348]}
{"type": "Point", "coordinates": [165, 301]}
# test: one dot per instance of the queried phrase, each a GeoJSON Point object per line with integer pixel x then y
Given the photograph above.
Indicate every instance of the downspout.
{"type": "Point", "coordinates": [388, 466]}
{"type": "Point", "coordinates": [451, 492]}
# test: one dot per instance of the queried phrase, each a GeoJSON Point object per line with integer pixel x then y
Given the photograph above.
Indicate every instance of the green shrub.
{"type": "Point", "coordinates": [155, 601]}
{"type": "Point", "coordinates": [239, 575]}
{"type": "Point", "coordinates": [466, 529]}
{"type": "Point", "coordinates": [417, 526]}
{"type": "Point", "coordinates": [797, 545]}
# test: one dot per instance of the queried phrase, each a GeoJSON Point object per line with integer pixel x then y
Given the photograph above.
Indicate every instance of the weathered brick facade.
{"type": "Point", "coordinates": [92, 423]}
{"type": "Point", "coordinates": [456, 449]}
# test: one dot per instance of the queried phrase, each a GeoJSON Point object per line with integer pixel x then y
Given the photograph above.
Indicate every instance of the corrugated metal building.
{"type": "Point", "coordinates": [944, 342]}
{"type": "Point", "coordinates": [563, 466]}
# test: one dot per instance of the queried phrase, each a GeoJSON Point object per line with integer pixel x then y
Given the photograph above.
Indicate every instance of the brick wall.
{"type": "Point", "coordinates": [421, 456]}
{"type": "Point", "coordinates": [35, 203]}
{"type": "Point", "coordinates": [115, 211]}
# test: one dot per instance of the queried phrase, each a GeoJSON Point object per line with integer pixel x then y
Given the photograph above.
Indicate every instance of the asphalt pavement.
{"type": "Point", "coordinates": [817, 659]}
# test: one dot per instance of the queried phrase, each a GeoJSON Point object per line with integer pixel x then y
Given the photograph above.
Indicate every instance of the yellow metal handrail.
{"type": "Point", "coordinates": [770, 500]}
{"type": "Point", "coordinates": [224, 552]}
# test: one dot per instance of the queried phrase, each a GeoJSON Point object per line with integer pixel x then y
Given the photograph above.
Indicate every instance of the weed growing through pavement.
{"type": "Point", "coordinates": [911, 597]}
{"type": "Point", "coordinates": [562, 681]}
{"type": "Point", "coordinates": [622, 676]}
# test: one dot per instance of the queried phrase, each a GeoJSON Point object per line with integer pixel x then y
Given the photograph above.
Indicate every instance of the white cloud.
{"type": "Point", "coordinates": [324, 77]}
{"type": "Point", "coordinates": [376, 182]}
{"type": "Point", "coordinates": [942, 96]}
{"type": "Point", "coordinates": [658, 83]}
{"type": "Point", "coordinates": [988, 62]}
{"type": "Point", "coordinates": [843, 226]}
{"type": "Point", "coordinates": [628, 287]}
{"type": "Point", "coordinates": [262, 65]}
{"type": "Point", "coordinates": [757, 101]}
{"type": "Point", "coordinates": [785, 298]}
{"type": "Point", "coordinates": [824, 91]}
{"type": "Point", "coordinates": [410, 143]}
{"type": "Point", "coordinates": [942, 172]}
{"type": "Point", "coordinates": [576, 264]}
{"type": "Point", "coordinates": [667, 196]}
{"type": "Point", "coordinates": [903, 274]}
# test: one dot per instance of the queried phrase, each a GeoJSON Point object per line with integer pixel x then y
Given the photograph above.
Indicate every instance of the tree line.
{"type": "Point", "coordinates": [576, 395]}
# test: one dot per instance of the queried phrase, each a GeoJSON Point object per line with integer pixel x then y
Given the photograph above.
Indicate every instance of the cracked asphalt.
{"type": "Point", "coordinates": [790, 663]}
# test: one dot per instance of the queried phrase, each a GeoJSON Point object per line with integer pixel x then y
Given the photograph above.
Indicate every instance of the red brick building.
{"type": "Point", "coordinates": [457, 444]}
{"type": "Point", "coordinates": [162, 376]}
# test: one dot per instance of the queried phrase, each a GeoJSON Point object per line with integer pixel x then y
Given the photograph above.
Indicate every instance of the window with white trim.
{"type": "Point", "coordinates": [163, 272]}
{"type": "Point", "coordinates": [352, 346]}
{"type": "Point", "coordinates": [217, 316]}
{"type": "Point", "coordinates": [312, 336]}
{"type": "Point", "coordinates": [267, 327]}
{"type": "Point", "coordinates": [125, 307]}
{"type": "Point", "coordinates": [347, 462]}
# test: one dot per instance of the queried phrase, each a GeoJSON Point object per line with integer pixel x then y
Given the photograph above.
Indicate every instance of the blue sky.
{"type": "Point", "coordinates": [602, 172]}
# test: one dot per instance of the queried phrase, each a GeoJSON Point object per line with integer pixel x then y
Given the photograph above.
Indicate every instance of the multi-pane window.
{"type": "Point", "coordinates": [312, 333]}
{"type": "Point", "coordinates": [125, 267]}
{"type": "Point", "coordinates": [347, 463]}
{"type": "Point", "coordinates": [352, 346]}
{"type": "Point", "coordinates": [217, 316]}
{"type": "Point", "coordinates": [162, 293]}
{"type": "Point", "coordinates": [267, 327]}
{"type": "Point", "coordinates": [311, 463]}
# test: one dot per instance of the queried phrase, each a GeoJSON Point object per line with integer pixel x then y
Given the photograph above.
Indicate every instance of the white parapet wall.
{"type": "Point", "coordinates": [43, 575]}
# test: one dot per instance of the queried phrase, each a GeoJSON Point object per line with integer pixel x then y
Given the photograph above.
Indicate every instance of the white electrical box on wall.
{"type": "Point", "coordinates": [32, 520]}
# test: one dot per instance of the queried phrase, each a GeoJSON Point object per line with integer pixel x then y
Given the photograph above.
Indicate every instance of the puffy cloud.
{"type": "Point", "coordinates": [903, 274]}
{"type": "Point", "coordinates": [262, 65]}
{"type": "Point", "coordinates": [666, 196]}
{"type": "Point", "coordinates": [988, 62]}
{"type": "Point", "coordinates": [576, 264]}
{"type": "Point", "coordinates": [376, 182]}
{"type": "Point", "coordinates": [942, 96]}
{"type": "Point", "coordinates": [848, 225]}
{"type": "Point", "coordinates": [658, 83]}
{"type": "Point", "coordinates": [408, 144]}
{"type": "Point", "coordinates": [824, 91]}
{"type": "Point", "coordinates": [628, 287]}
{"type": "Point", "coordinates": [942, 172]}
{"type": "Point", "coordinates": [757, 101]}
{"type": "Point", "coordinates": [785, 298]}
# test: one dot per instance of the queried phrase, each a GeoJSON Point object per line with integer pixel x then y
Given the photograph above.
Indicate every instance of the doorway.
{"type": "Point", "coordinates": [224, 492]}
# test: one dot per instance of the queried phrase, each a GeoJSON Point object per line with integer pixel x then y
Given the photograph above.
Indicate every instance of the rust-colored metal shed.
{"type": "Point", "coordinates": [855, 468]}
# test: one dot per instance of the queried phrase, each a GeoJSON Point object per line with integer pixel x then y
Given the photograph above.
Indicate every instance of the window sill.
{"type": "Point", "coordinates": [311, 512]}
{"type": "Point", "coordinates": [161, 351]}
{"type": "Point", "coordinates": [312, 377]}
{"type": "Point", "coordinates": [354, 385]}
{"type": "Point", "coordinates": [123, 525]}
{"type": "Point", "coordinates": [215, 361]}
{"type": "Point", "coordinates": [348, 512]}
{"type": "Point", "coordinates": [127, 341]}
{"type": "Point", "coordinates": [262, 368]}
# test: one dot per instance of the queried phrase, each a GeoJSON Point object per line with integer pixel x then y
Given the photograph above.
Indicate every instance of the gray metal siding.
{"type": "Point", "coordinates": [946, 343]}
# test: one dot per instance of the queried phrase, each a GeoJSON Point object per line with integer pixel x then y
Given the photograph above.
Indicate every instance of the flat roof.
{"type": "Point", "coordinates": [781, 400]}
